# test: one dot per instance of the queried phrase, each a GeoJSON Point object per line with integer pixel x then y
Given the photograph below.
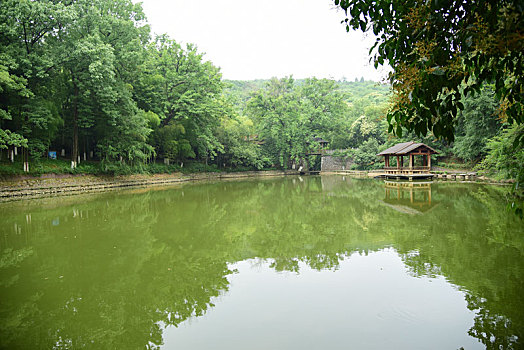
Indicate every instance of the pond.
{"type": "Point", "coordinates": [325, 262]}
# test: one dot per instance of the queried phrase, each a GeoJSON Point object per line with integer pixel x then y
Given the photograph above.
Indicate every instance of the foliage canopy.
{"type": "Point", "coordinates": [441, 50]}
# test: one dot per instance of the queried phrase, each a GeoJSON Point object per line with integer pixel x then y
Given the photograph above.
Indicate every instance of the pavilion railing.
{"type": "Point", "coordinates": [408, 167]}
{"type": "Point", "coordinates": [407, 170]}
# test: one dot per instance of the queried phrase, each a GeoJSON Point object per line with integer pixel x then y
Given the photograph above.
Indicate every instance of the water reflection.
{"type": "Point", "coordinates": [330, 309]}
{"type": "Point", "coordinates": [112, 270]}
{"type": "Point", "coordinates": [409, 197]}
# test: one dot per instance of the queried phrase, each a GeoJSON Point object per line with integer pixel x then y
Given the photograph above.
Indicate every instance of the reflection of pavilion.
{"type": "Point", "coordinates": [409, 197]}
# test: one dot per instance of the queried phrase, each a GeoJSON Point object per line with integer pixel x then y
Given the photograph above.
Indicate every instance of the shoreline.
{"type": "Point", "coordinates": [26, 187]}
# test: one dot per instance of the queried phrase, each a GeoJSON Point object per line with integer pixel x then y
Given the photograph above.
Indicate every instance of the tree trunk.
{"type": "Point", "coordinates": [74, 155]}
{"type": "Point", "coordinates": [25, 156]}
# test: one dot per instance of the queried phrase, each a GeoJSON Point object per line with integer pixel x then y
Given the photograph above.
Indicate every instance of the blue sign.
{"type": "Point", "coordinates": [52, 154]}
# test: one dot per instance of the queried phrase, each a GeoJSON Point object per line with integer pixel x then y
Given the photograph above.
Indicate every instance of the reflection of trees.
{"type": "Point", "coordinates": [496, 331]}
{"type": "Point", "coordinates": [101, 279]}
{"type": "Point", "coordinates": [477, 245]}
{"type": "Point", "coordinates": [133, 261]}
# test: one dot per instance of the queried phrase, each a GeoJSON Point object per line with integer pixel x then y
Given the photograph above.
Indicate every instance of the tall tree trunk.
{"type": "Point", "coordinates": [25, 153]}
{"type": "Point", "coordinates": [74, 155]}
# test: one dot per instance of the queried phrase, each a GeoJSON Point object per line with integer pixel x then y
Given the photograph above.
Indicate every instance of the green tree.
{"type": "Point", "coordinates": [9, 85]}
{"type": "Point", "coordinates": [504, 160]}
{"type": "Point", "coordinates": [438, 47]}
{"type": "Point", "coordinates": [365, 156]}
{"type": "Point", "coordinates": [28, 115]}
{"type": "Point", "coordinates": [276, 111]}
{"type": "Point", "coordinates": [184, 91]}
{"type": "Point", "coordinates": [365, 128]}
{"type": "Point", "coordinates": [238, 136]}
{"type": "Point", "coordinates": [290, 117]}
{"type": "Point", "coordinates": [476, 124]}
{"type": "Point", "coordinates": [102, 51]}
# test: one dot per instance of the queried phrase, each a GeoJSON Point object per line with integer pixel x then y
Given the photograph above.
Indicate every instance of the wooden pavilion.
{"type": "Point", "coordinates": [410, 150]}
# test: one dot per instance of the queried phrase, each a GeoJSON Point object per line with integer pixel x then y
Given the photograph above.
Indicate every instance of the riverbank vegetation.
{"type": "Point", "coordinates": [89, 81]}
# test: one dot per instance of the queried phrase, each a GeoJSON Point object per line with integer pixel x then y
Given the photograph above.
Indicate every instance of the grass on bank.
{"type": "Point", "coordinates": [63, 166]}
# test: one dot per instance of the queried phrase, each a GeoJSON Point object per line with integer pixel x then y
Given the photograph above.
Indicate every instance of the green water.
{"type": "Point", "coordinates": [289, 263]}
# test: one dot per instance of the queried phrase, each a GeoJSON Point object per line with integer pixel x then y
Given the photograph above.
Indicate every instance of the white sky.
{"type": "Point", "coordinates": [260, 39]}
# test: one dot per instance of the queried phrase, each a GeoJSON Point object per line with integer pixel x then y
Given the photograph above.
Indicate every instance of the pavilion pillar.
{"type": "Point", "coordinates": [411, 161]}
{"type": "Point", "coordinates": [429, 160]}
{"type": "Point", "coordinates": [386, 160]}
{"type": "Point", "coordinates": [401, 161]}
{"type": "Point", "coordinates": [398, 163]}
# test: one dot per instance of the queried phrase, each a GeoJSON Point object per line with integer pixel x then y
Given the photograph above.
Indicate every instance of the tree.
{"type": "Point", "coordinates": [504, 161]}
{"type": "Point", "coordinates": [323, 105]}
{"type": "Point", "coordinates": [476, 125]}
{"type": "Point", "coordinates": [28, 115]}
{"type": "Point", "coordinates": [237, 135]}
{"type": "Point", "coordinates": [290, 117]}
{"type": "Point", "coordinates": [102, 51]}
{"type": "Point", "coordinates": [276, 111]}
{"type": "Point", "coordinates": [66, 69]}
{"type": "Point", "coordinates": [9, 84]}
{"type": "Point", "coordinates": [365, 128]}
{"type": "Point", "coordinates": [184, 91]}
{"type": "Point", "coordinates": [365, 156]}
{"type": "Point", "coordinates": [439, 48]}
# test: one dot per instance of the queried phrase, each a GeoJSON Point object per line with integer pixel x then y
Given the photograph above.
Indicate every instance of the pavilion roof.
{"type": "Point", "coordinates": [404, 148]}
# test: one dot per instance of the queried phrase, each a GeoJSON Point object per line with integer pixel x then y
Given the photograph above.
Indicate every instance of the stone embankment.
{"type": "Point", "coordinates": [50, 184]}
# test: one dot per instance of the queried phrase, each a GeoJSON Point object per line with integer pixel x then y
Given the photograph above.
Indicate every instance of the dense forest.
{"type": "Point", "coordinates": [88, 80]}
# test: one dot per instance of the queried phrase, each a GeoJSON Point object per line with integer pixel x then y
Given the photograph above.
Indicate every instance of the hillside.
{"type": "Point", "coordinates": [239, 91]}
